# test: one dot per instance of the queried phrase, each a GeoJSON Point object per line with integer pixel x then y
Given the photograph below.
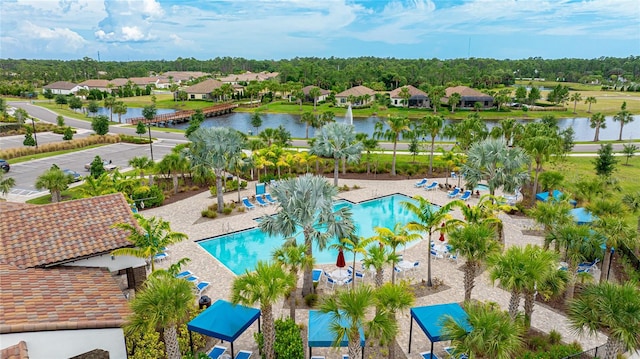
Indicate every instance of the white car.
{"type": "Point", "coordinates": [106, 164]}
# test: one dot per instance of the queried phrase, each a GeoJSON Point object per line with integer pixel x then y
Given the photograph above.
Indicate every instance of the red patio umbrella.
{"type": "Point", "coordinates": [441, 234]}
{"type": "Point", "coordinates": [340, 263]}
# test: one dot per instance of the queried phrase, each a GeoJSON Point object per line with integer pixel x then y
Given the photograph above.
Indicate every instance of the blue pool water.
{"type": "Point", "coordinates": [481, 187]}
{"type": "Point", "coordinates": [242, 250]}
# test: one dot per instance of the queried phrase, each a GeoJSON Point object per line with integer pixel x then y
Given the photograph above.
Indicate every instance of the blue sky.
{"type": "Point", "coordinates": [277, 29]}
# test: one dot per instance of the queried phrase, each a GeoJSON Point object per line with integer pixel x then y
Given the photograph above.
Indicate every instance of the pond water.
{"type": "Point", "coordinates": [241, 121]}
{"type": "Point", "coordinates": [131, 112]}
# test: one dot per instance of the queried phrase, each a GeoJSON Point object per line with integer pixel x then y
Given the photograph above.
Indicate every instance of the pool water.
{"type": "Point", "coordinates": [242, 250]}
{"type": "Point", "coordinates": [481, 187]}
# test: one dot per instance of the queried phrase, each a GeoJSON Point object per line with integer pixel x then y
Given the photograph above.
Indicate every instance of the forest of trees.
{"type": "Point", "coordinates": [339, 73]}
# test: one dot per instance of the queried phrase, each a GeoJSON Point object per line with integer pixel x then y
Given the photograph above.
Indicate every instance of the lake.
{"type": "Point", "coordinates": [132, 112]}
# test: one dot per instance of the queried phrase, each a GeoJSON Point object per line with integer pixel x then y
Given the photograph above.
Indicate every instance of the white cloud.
{"type": "Point", "coordinates": [53, 37]}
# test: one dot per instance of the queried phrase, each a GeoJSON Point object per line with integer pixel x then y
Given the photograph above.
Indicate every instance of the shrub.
{"type": "Point", "coordinates": [209, 213]}
{"type": "Point", "coordinates": [68, 134]}
{"type": "Point", "coordinates": [151, 196]}
{"type": "Point", "coordinates": [555, 337]}
{"type": "Point", "coordinates": [243, 184]}
{"type": "Point", "coordinates": [240, 209]}
{"type": "Point", "coordinates": [227, 210]}
{"type": "Point", "coordinates": [311, 299]}
{"type": "Point", "coordinates": [288, 342]}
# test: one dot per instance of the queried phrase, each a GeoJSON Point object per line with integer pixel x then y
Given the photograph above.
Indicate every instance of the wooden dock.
{"type": "Point", "coordinates": [184, 115]}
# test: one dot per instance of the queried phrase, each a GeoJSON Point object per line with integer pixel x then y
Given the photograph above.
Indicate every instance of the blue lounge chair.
{"type": "Point", "coordinates": [450, 350]}
{"type": "Point", "coordinates": [466, 195]}
{"type": "Point", "coordinates": [330, 282]}
{"type": "Point", "coordinates": [421, 182]}
{"type": "Point", "coordinates": [269, 198]}
{"type": "Point", "coordinates": [261, 201]}
{"type": "Point", "coordinates": [192, 278]}
{"type": "Point", "coordinates": [432, 186]}
{"type": "Point", "coordinates": [587, 266]}
{"type": "Point", "coordinates": [244, 354]}
{"type": "Point", "coordinates": [317, 275]}
{"type": "Point", "coordinates": [217, 351]}
{"type": "Point", "coordinates": [454, 193]}
{"type": "Point", "coordinates": [247, 204]}
{"type": "Point", "coordinates": [428, 355]}
{"type": "Point", "coordinates": [200, 287]}
{"type": "Point", "coordinates": [160, 257]}
{"type": "Point", "coordinates": [184, 274]}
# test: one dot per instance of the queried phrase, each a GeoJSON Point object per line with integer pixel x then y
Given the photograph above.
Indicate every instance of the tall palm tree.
{"type": "Point", "coordinates": [501, 167]}
{"type": "Point", "coordinates": [405, 95]}
{"type": "Point", "coordinates": [551, 214]}
{"type": "Point", "coordinates": [510, 268]}
{"type": "Point", "coordinates": [307, 118]}
{"type": "Point", "coordinates": [150, 237]}
{"type": "Point", "coordinates": [142, 163]}
{"type": "Point", "coordinates": [394, 298]}
{"type": "Point", "coordinates": [350, 310]}
{"type": "Point", "coordinates": [430, 217]}
{"type": "Point", "coordinates": [396, 126]}
{"type": "Point", "coordinates": [545, 277]}
{"type": "Point", "coordinates": [624, 117]}
{"type": "Point", "coordinates": [400, 235]}
{"type": "Point", "coordinates": [356, 245]}
{"type": "Point", "coordinates": [433, 126]}
{"type": "Point", "coordinates": [590, 100]}
{"type": "Point", "coordinates": [475, 242]}
{"type": "Point", "coordinates": [611, 308]}
{"type": "Point", "coordinates": [110, 102]}
{"type": "Point", "coordinates": [162, 305]}
{"type": "Point", "coordinates": [493, 335]}
{"type": "Point", "coordinates": [55, 181]}
{"type": "Point", "coordinates": [597, 121]}
{"type": "Point", "coordinates": [368, 145]}
{"type": "Point", "coordinates": [377, 257]}
{"type": "Point", "coordinates": [6, 184]}
{"type": "Point", "coordinates": [119, 108]}
{"type": "Point", "coordinates": [632, 201]}
{"type": "Point", "coordinates": [540, 141]}
{"type": "Point", "coordinates": [507, 129]}
{"type": "Point", "coordinates": [293, 258]}
{"type": "Point", "coordinates": [315, 93]}
{"type": "Point", "coordinates": [309, 200]}
{"type": "Point", "coordinates": [266, 285]}
{"type": "Point", "coordinates": [616, 232]}
{"type": "Point", "coordinates": [575, 97]}
{"type": "Point", "coordinates": [453, 101]}
{"type": "Point", "coordinates": [212, 148]}
{"type": "Point", "coordinates": [337, 141]}
{"type": "Point", "coordinates": [173, 164]}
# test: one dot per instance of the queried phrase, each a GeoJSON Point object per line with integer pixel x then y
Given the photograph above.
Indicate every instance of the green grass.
{"type": "Point", "coordinates": [55, 153]}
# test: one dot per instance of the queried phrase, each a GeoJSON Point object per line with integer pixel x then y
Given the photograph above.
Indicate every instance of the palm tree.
{"type": "Point", "coordinates": [396, 126]}
{"type": "Point", "coordinates": [500, 166]}
{"type": "Point", "coordinates": [632, 201]}
{"type": "Point", "coordinates": [394, 298]}
{"type": "Point", "coordinates": [150, 237]}
{"type": "Point", "coordinates": [349, 310]}
{"type": "Point", "coordinates": [433, 126]}
{"type": "Point", "coordinates": [309, 200]}
{"type": "Point", "coordinates": [163, 304]}
{"type": "Point", "coordinates": [453, 101]}
{"type": "Point", "coordinates": [110, 102]}
{"type": "Point", "coordinates": [405, 95]}
{"type": "Point", "coordinates": [173, 164]}
{"type": "Point", "coordinates": [508, 128]}
{"type": "Point", "coordinates": [293, 258]}
{"type": "Point", "coordinates": [6, 184]}
{"type": "Point", "coordinates": [590, 100]}
{"type": "Point", "coordinates": [400, 235]}
{"type": "Point", "coordinates": [377, 257]}
{"type": "Point", "coordinates": [368, 145]}
{"type": "Point", "coordinates": [540, 142]}
{"type": "Point", "coordinates": [55, 181]}
{"type": "Point", "coordinates": [545, 277]}
{"type": "Point", "coordinates": [435, 94]}
{"type": "Point", "coordinates": [551, 214]}
{"type": "Point", "coordinates": [475, 242]}
{"type": "Point", "coordinates": [623, 117]}
{"type": "Point", "coordinates": [493, 335]}
{"type": "Point", "coordinates": [575, 97]}
{"type": "Point", "coordinates": [597, 121]}
{"type": "Point", "coordinates": [613, 309]}
{"type": "Point", "coordinates": [356, 245]}
{"type": "Point", "coordinates": [119, 108]}
{"type": "Point", "coordinates": [266, 285]}
{"type": "Point", "coordinates": [212, 148]}
{"type": "Point", "coordinates": [142, 163]}
{"type": "Point", "coordinates": [430, 218]}
{"type": "Point", "coordinates": [307, 118]}
{"type": "Point", "coordinates": [337, 141]}
{"type": "Point", "coordinates": [511, 269]}
{"type": "Point", "coordinates": [315, 93]}
{"type": "Point", "coordinates": [616, 232]}
{"type": "Point", "coordinates": [100, 186]}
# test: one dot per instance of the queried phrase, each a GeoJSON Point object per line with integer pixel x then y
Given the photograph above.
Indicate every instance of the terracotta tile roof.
{"type": "Point", "coordinates": [357, 91]}
{"type": "Point", "coordinates": [60, 85]}
{"type": "Point", "coordinates": [119, 81]}
{"type": "Point", "coordinates": [412, 91]}
{"type": "Point", "coordinates": [61, 298]}
{"type": "Point", "coordinates": [35, 236]}
{"type": "Point", "coordinates": [5, 205]}
{"type": "Point", "coordinates": [206, 86]}
{"type": "Point", "coordinates": [143, 81]}
{"type": "Point", "coordinates": [465, 91]}
{"type": "Point", "coordinates": [95, 83]}
{"type": "Point", "coordinates": [18, 351]}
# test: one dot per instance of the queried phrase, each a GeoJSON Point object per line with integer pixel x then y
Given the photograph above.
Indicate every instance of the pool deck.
{"type": "Point", "coordinates": [184, 216]}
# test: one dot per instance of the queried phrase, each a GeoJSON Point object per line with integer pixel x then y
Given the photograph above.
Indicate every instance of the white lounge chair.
{"type": "Point", "coordinates": [247, 204]}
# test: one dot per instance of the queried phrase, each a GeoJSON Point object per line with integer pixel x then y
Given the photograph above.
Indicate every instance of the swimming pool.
{"type": "Point", "coordinates": [242, 250]}
{"type": "Point", "coordinates": [481, 187]}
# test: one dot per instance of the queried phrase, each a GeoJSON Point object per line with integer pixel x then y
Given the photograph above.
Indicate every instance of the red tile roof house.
{"type": "Point", "coordinates": [57, 293]}
{"type": "Point", "coordinates": [203, 90]}
{"type": "Point", "coordinates": [468, 97]}
{"type": "Point", "coordinates": [363, 96]}
{"type": "Point", "coordinates": [102, 85]}
{"type": "Point", "coordinates": [62, 88]}
{"type": "Point", "coordinates": [323, 93]}
{"type": "Point", "coordinates": [418, 97]}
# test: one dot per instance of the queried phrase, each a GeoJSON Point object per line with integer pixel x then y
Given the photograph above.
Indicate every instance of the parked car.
{"type": "Point", "coordinates": [4, 165]}
{"type": "Point", "coordinates": [106, 164]}
{"type": "Point", "coordinates": [75, 175]}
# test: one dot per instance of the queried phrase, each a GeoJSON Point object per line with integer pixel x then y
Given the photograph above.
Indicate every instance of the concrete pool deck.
{"type": "Point", "coordinates": [185, 217]}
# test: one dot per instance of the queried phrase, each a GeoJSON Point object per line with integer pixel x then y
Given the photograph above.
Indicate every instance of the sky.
{"type": "Point", "coordinates": [124, 30]}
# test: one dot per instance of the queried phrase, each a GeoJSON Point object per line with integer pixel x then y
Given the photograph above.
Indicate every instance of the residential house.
{"type": "Point", "coordinates": [358, 96]}
{"type": "Point", "coordinates": [183, 76]}
{"type": "Point", "coordinates": [323, 93]}
{"type": "Point", "coordinates": [62, 88]}
{"type": "Point", "coordinates": [203, 90]}
{"type": "Point", "coordinates": [248, 76]}
{"type": "Point", "coordinates": [468, 97]}
{"type": "Point", "coordinates": [59, 290]}
{"type": "Point", "coordinates": [102, 85]}
{"type": "Point", "coordinates": [418, 98]}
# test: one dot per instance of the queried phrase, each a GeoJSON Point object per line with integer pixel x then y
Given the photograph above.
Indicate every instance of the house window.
{"type": "Point", "coordinates": [193, 97]}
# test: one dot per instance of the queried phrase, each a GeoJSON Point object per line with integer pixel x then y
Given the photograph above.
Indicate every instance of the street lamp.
{"type": "Point", "coordinates": [150, 142]}
{"type": "Point", "coordinates": [35, 136]}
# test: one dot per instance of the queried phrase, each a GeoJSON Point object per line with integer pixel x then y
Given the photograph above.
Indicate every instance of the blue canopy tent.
{"type": "Point", "coordinates": [557, 195]}
{"type": "Point", "coordinates": [582, 216]}
{"type": "Point", "coordinates": [224, 321]}
{"type": "Point", "coordinates": [431, 318]}
{"type": "Point", "coordinates": [319, 334]}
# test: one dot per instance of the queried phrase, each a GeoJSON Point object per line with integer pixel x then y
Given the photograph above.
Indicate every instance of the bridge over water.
{"type": "Point", "coordinates": [184, 115]}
